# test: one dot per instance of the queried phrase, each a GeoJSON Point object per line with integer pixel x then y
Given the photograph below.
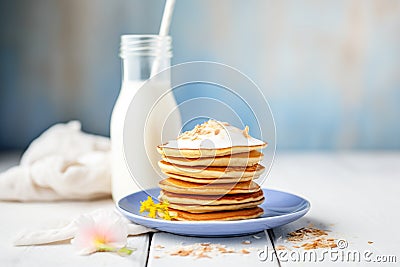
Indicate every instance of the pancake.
{"type": "Point", "coordinates": [182, 187]}
{"type": "Point", "coordinates": [210, 180]}
{"type": "Point", "coordinates": [241, 159]}
{"type": "Point", "coordinates": [212, 208]}
{"type": "Point", "coordinates": [241, 214]}
{"type": "Point", "coordinates": [205, 152]}
{"type": "Point", "coordinates": [210, 199]}
{"type": "Point", "coordinates": [210, 139]}
{"type": "Point", "coordinates": [211, 172]}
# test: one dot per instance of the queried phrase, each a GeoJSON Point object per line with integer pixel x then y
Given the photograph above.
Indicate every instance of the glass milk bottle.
{"type": "Point", "coordinates": [140, 54]}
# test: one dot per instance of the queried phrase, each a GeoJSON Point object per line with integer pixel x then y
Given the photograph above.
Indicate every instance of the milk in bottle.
{"type": "Point", "coordinates": [139, 54]}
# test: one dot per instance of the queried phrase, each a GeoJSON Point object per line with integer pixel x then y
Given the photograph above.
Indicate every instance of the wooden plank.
{"type": "Point", "coordinates": [165, 244]}
{"type": "Point", "coordinates": [352, 195]}
{"type": "Point", "coordinates": [16, 216]}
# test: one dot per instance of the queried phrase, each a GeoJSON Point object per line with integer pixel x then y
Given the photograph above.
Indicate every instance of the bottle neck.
{"type": "Point", "coordinates": [144, 56]}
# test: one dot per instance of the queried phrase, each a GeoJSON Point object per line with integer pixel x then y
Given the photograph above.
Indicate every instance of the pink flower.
{"type": "Point", "coordinates": [101, 231]}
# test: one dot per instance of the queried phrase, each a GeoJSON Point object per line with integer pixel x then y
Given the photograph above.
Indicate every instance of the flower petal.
{"type": "Point", "coordinates": [100, 229]}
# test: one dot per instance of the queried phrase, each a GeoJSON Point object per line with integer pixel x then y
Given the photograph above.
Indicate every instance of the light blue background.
{"type": "Point", "coordinates": [330, 69]}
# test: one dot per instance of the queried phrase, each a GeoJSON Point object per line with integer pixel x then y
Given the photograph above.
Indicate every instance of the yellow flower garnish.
{"type": "Point", "coordinates": [160, 209]}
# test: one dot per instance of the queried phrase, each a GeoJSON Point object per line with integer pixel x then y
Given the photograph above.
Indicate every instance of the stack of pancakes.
{"type": "Point", "coordinates": [210, 173]}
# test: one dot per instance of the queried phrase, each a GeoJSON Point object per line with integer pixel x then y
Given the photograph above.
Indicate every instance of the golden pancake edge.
{"type": "Point", "coordinates": [182, 187]}
{"type": "Point", "coordinates": [210, 199]}
{"type": "Point", "coordinates": [211, 172]}
{"type": "Point", "coordinates": [240, 159]}
{"type": "Point", "coordinates": [205, 152]}
{"type": "Point", "coordinates": [231, 215]}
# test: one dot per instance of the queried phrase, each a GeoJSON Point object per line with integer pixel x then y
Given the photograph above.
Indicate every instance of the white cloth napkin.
{"type": "Point", "coordinates": [67, 232]}
{"type": "Point", "coordinates": [62, 164]}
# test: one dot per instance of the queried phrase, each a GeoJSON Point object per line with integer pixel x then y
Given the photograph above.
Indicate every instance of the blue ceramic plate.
{"type": "Point", "coordinates": [279, 208]}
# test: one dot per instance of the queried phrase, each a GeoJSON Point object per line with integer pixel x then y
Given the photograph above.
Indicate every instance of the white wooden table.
{"type": "Point", "coordinates": [354, 195]}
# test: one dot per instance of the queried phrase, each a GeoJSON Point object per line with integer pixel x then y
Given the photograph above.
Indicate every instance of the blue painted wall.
{"type": "Point", "coordinates": [330, 69]}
